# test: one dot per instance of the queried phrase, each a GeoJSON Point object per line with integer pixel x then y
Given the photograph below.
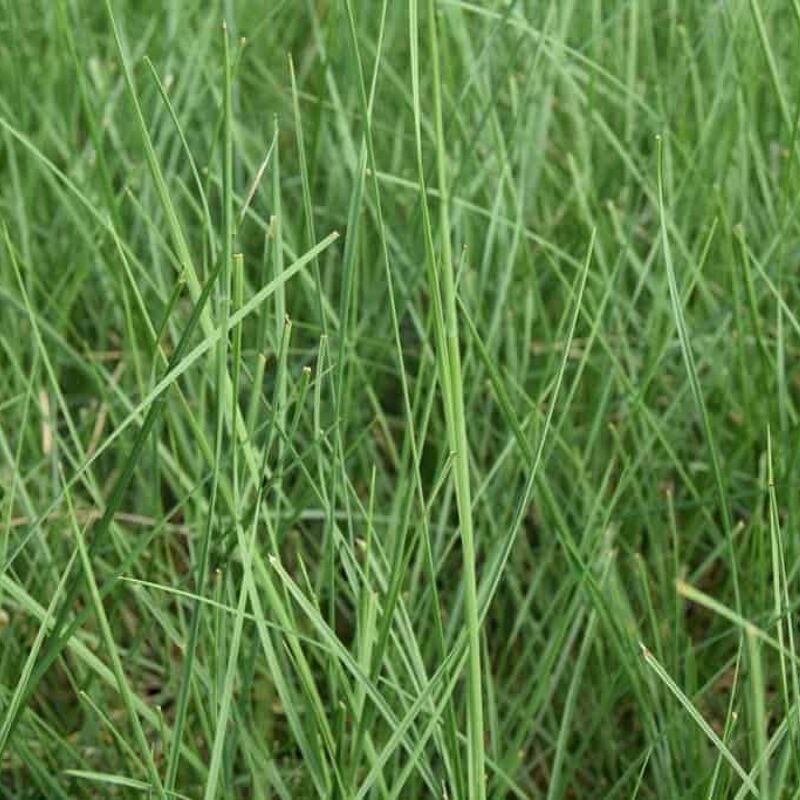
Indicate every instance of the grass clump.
{"type": "Point", "coordinates": [398, 400]}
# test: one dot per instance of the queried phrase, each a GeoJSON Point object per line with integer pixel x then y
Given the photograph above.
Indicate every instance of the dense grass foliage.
{"type": "Point", "coordinates": [399, 399]}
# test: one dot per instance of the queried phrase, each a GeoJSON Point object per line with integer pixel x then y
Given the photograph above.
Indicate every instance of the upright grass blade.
{"type": "Point", "coordinates": [401, 552]}
{"type": "Point", "coordinates": [192, 164]}
{"type": "Point", "coordinates": [783, 105]}
{"type": "Point", "coordinates": [57, 639]}
{"type": "Point", "coordinates": [782, 610]}
{"type": "Point", "coordinates": [758, 716]}
{"type": "Point", "coordinates": [215, 763]}
{"type": "Point", "coordinates": [694, 382]}
{"type": "Point", "coordinates": [113, 654]}
{"type": "Point", "coordinates": [307, 203]}
{"type": "Point", "coordinates": [448, 355]}
{"type": "Point", "coordinates": [225, 266]}
{"type": "Point", "coordinates": [557, 784]}
{"type": "Point", "coordinates": [176, 230]}
{"type": "Point", "coordinates": [494, 573]}
{"type": "Point", "coordinates": [690, 708]}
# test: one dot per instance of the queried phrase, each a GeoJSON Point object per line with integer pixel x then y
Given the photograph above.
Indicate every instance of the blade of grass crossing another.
{"type": "Point", "coordinates": [57, 640]}
{"type": "Point", "coordinates": [113, 653]}
{"type": "Point", "coordinates": [698, 718]}
{"type": "Point", "coordinates": [450, 378]}
{"type": "Point", "coordinates": [224, 292]}
{"type": "Point", "coordinates": [694, 380]}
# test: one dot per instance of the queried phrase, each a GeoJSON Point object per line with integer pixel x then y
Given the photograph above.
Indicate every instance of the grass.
{"type": "Point", "coordinates": [398, 399]}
